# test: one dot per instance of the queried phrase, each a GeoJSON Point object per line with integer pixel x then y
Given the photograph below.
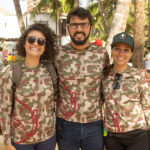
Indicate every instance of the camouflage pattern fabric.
{"type": "Point", "coordinates": [33, 119]}
{"type": "Point", "coordinates": [80, 75]}
{"type": "Point", "coordinates": [127, 108]}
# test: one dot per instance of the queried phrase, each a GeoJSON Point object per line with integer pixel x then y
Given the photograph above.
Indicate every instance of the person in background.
{"type": "Point", "coordinates": [1, 58]}
{"type": "Point", "coordinates": [32, 124]}
{"type": "Point", "coordinates": [5, 57]}
{"type": "Point", "coordinates": [13, 55]}
{"type": "Point", "coordinates": [147, 59]}
{"type": "Point", "coordinates": [80, 65]}
{"type": "Point", "coordinates": [127, 99]}
{"type": "Point", "coordinates": [9, 58]}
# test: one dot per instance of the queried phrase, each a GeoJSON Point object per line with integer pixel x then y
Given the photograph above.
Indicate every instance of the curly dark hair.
{"type": "Point", "coordinates": [49, 53]}
{"type": "Point", "coordinates": [81, 13]}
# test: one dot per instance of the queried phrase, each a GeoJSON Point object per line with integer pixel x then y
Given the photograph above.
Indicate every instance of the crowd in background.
{"type": "Point", "coordinates": [6, 57]}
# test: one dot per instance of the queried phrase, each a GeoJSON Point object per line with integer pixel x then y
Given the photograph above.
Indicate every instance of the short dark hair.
{"type": "Point", "coordinates": [81, 13]}
{"type": "Point", "coordinates": [49, 53]}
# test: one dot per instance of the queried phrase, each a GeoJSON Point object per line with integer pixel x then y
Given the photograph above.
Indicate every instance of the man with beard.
{"type": "Point", "coordinates": [80, 65]}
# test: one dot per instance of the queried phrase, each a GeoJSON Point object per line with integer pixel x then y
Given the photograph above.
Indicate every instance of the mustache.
{"type": "Point", "coordinates": [79, 33]}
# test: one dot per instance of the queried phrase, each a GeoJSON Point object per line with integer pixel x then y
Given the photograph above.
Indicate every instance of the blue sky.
{"type": "Point", "coordinates": [8, 4]}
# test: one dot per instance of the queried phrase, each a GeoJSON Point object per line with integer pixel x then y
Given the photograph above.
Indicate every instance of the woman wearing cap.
{"type": "Point", "coordinates": [127, 104]}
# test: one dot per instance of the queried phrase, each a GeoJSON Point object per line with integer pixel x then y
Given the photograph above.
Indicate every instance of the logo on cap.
{"type": "Point", "coordinates": [123, 36]}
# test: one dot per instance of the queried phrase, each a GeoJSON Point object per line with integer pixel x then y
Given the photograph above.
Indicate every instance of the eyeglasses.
{"type": "Point", "coordinates": [116, 84]}
{"type": "Point", "coordinates": [82, 25]}
{"type": "Point", "coordinates": [32, 39]}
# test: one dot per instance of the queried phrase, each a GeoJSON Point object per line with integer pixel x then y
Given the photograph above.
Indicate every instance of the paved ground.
{"type": "Point", "coordinates": [1, 143]}
{"type": "Point", "coordinates": [2, 146]}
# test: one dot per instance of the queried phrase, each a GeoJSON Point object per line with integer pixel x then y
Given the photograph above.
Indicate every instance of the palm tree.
{"type": "Point", "coordinates": [19, 15]}
{"type": "Point", "coordinates": [139, 34]}
{"type": "Point", "coordinates": [119, 21]}
{"type": "Point", "coordinates": [76, 3]}
{"type": "Point", "coordinates": [102, 12]}
{"type": "Point", "coordinates": [110, 17]}
{"type": "Point", "coordinates": [55, 7]}
{"type": "Point", "coordinates": [63, 6]}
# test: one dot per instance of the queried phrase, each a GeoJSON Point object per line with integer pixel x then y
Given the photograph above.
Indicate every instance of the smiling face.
{"type": "Point", "coordinates": [121, 54]}
{"type": "Point", "coordinates": [79, 30]}
{"type": "Point", "coordinates": [33, 46]}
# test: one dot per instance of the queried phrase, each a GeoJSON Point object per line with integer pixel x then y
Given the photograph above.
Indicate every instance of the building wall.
{"type": "Point", "coordinates": [9, 27]}
{"type": "Point", "coordinates": [42, 18]}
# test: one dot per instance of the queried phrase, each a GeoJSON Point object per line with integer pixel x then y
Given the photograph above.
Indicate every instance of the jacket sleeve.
{"type": "Point", "coordinates": [6, 104]}
{"type": "Point", "coordinates": [145, 97]}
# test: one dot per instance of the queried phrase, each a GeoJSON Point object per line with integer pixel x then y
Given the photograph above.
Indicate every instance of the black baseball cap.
{"type": "Point", "coordinates": [125, 38]}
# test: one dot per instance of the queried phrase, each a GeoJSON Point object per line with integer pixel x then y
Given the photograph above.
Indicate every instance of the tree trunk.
{"type": "Point", "coordinates": [139, 41]}
{"type": "Point", "coordinates": [149, 22]}
{"type": "Point", "coordinates": [103, 14]}
{"type": "Point", "coordinates": [76, 3]}
{"type": "Point", "coordinates": [19, 15]}
{"type": "Point", "coordinates": [119, 21]}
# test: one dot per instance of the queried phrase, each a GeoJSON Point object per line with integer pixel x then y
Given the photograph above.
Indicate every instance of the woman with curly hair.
{"type": "Point", "coordinates": [32, 124]}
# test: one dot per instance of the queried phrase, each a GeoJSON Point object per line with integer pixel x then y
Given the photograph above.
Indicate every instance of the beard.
{"type": "Point", "coordinates": [79, 42]}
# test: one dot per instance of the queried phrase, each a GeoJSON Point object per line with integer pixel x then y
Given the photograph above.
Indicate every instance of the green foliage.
{"type": "Point", "coordinates": [130, 22]}
{"type": "Point", "coordinates": [146, 24]}
{"type": "Point", "coordinates": [99, 28]}
{"type": "Point", "coordinates": [53, 6]}
{"type": "Point", "coordinates": [47, 6]}
{"type": "Point", "coordinates": [19, 58]}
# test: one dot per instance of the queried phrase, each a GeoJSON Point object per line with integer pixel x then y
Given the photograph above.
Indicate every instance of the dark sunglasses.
{"type": "Point", "coordinates": [116, 84]}
{"type": "Point", "coordinates": [32, 39]}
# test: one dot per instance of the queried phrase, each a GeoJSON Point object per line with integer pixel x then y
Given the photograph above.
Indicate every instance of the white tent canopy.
{"type": "Point", "coordinates": [9, 27]}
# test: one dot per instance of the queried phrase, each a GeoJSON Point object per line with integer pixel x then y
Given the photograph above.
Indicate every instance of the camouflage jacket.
{"type": "Point", "coordinates": [128, 107]}
{"type": "Point", "coordinates": [80, 74]}
{"type": "Point", "coordinates": [34, 116]}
